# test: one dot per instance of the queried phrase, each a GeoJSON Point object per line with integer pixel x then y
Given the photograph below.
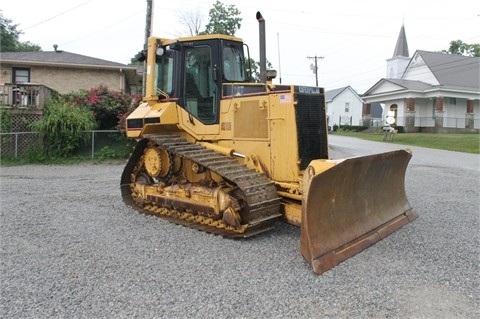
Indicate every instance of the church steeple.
{"type": "Point", "coordinates": [401, 49]}
{"type": "Point", "coordinates": [397, 64]}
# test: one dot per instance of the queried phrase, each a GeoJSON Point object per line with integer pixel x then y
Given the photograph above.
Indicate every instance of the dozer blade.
{"type": "Point", "coordinates": [352, 205]}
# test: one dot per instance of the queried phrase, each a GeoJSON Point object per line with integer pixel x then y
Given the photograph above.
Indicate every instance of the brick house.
{"type": "Point", "coordinates": [64, 72]}
{"type": "Point", "coordinates": [27, 79]}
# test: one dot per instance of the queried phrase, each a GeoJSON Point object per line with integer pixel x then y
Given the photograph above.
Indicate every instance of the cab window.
{"type": "Point", "coordinates": [200, 88]}
{"type": "Point", "coordinates": [164, 74]}
{"type": "Point", "coordinates": [233, 64]}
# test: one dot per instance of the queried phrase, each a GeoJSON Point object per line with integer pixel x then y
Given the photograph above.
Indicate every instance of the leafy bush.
{"type": "Point", "coordinates": [36, 155]}
{"type": "Point", "coordinates": [107, 105]}
{"type": "Point", "coordinates": [353, 128]}
{"type": "Point", "coordinates": [400, 129]}
{"type": "Point", "coordinates": [5, 121]}
{"type": "Point", "coordinates": [122, 116]}
{"type": "Point", "coordinates": [63, 127]}
{"type": "Point", "coordinates": [107, 153]}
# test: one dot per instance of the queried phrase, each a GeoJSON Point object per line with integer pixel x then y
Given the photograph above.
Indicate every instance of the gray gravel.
{"type": "Point", "coordinates": [71, 249]}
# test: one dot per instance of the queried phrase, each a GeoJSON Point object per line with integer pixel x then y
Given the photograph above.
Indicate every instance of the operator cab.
{"type": "Point", "coordinates": [192, 71]}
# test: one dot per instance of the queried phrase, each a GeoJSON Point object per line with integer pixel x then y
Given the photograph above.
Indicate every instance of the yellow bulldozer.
{"type": "Point", "coordinates": [222, 153]}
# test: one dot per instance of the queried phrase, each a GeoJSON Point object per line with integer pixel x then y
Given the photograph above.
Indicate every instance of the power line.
{"type": "Point", "coordinates": [102, 29]}
{"type": "Point", "coordinates": [438, 67]}
{"type": "Point", "coordinates": [57, 15]}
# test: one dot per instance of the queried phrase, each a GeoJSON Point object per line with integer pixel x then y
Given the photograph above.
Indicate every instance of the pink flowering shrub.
{"type": "Point", "coordinates": [107, 105]}
{"type": "Point", "coordinates": [122, 116]}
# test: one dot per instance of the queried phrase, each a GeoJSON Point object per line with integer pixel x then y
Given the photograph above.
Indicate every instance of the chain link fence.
{"type": "Point", "coordinates": [98, 144]}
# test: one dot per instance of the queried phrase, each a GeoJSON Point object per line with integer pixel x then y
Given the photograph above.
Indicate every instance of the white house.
{"type": "Point", "coordinates": [344, 107]}
{"type": "Point", "coordinates": [435, 92]}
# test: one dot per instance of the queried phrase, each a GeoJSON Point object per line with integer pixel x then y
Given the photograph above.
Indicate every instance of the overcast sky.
{"type": "Point", "coordinates": [354, 37]}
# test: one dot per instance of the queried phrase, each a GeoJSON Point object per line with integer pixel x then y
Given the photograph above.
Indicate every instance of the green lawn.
{"type": "Point", "coordinates": [468, 143]}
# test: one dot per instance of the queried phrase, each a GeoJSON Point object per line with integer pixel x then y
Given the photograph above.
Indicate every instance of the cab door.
{"type": "Point", "coordinates": [200, 98]}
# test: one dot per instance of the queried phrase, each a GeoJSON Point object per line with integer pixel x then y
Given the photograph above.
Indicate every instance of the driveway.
{"type": "Point", "coordinates": [69, 248]}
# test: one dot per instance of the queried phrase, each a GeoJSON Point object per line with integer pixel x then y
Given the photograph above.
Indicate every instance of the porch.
{"type": "Point", "coordinates": [24, 95]}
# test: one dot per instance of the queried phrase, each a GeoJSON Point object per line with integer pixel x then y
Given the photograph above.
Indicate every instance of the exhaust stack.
{"type": "Point", "coordinates": [263, 54]}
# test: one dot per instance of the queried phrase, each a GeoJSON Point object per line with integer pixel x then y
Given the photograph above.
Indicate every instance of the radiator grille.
{"type": "Point", "coordinates": [311, 127]}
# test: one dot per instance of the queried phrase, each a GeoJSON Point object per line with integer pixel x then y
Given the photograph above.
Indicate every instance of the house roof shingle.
{"type": "Point", "coordinates": [453, 71]}
{"type": "Point", "coordinates": [411, 84]}
{"type": "Point", "coordinates": [57, 57]}
{"type": "Point", "coordinates": [331, 94]}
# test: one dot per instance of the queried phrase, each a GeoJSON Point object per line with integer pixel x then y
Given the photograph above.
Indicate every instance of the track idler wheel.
{"type": "Point", "coordinates": [157, 162]}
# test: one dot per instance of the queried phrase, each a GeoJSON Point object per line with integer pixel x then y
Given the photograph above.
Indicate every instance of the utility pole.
{"type": "Point", "coordinates": [148, 32]}
{"type": "Point", "coordinates": [314, 67]}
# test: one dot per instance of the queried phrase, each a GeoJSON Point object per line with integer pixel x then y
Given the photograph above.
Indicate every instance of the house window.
{"type": "Point", "coordinates": [347, 107]}
{"type": "Point", "coordinates": [453, 101]}
{"type": "Point", "coordinates": [20, 75]}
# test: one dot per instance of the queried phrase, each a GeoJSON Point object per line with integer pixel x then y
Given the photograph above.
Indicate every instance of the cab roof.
{"type": "Point", "coordinates": [214, 36]}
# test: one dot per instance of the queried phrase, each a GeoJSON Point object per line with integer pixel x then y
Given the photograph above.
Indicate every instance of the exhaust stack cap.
{"type": "Point", "coordinates": [260, 17]}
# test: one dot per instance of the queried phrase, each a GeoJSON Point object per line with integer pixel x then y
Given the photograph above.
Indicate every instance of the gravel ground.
{"type": "Point", "coordinates": [71, 249]}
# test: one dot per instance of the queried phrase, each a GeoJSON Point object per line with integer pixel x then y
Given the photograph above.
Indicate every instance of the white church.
{"type": "Point", "coordinates": [428, 92]}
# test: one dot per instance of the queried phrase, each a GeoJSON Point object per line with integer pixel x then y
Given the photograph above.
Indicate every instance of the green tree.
{"type": "Point", "coordinates": [224, 19]}
{"type": "Point", "coordinates": [255, 68]}
{"type": "Point", "coordinates": [10, 38]}
{"type": "Point", "coordinates": [461, 48]}
{"type": "Point", "coordinates": [63, 126]}
{"type": "Point", "coordinates": [134, 61]}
